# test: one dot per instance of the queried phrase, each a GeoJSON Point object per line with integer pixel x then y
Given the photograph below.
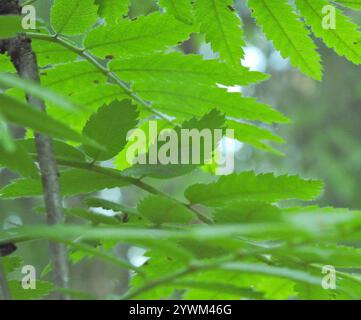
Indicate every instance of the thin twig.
{"type": "Point", "coordinates": [136, 182]}
{"type": "Point", "coordinates": [82, 52]}
{"type": "Point", "coordinates": [101, 255]}
{"type": "Point", "coordinates": [169, 278]}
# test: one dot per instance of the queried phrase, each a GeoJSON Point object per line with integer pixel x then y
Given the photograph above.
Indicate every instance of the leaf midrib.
{"type": "Point", "coordinates": [286, 35]}
{"type": "Point", "coordinates": [334, 32]}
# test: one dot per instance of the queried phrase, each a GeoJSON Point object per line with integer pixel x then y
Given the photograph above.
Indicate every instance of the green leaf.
{"type": "Point", "coordinates": [11, 263]}
{"type": "Point", "coordinates": [112, 10]}
{"type": "Point", "coordinates": [36, 90]}
{"type": "Point", "coordinates": [61, 149]}
{"type": "Point", "coordinates": [71, 183]}
{"type": "Point", "coordinates": [222, 28]}
{"type": "Point", "coordinates": [50, 53]}
{"type": "Point", "coordinates": [159, 171]}
{"type": "Point", "coordinates": [157, 264]}
{"type": "Point", "coordinates": [93, 100]}
{"type": "Point", "coordinates": [337, 255]}
{"type": "Point", "coordinates": [6, 140]}
{"type": "Point", "coordinates": [6, 64]}
{"type": "Point", "coordinates": [12, 267]}
{"type": "Point", "coordinates": [296, 275]}
{"type": "Point", "coordinates": [184, 101]}
{"type": "Point", "coordinates": [180, 9]}
{"type": "Point", "coordinates": [9, 26]}
{"type": "Point", "coordinates": [159, 209]}
{"type": "Point", "coordinates": [124, 159]}
{"type": "Point", "coordinates": [247, 212]}
{"type": "Point", "coordinates": [254, 135]}
{"type": "Point", "coordinates": [347, 288]}
{"type": "Point", "coordinates": [139, 37]}
{"type": "Point", "coordinates": [176, 67]}
{"type": "Point", "coordinates": [353, 4]}
{"type": "Point", "coordinates": [109, 127]}
{"type": "Point", "coordinates": [249, 186]}
{"type": "Point", "coordinates": [215, 288]}
{"type": "Point", "coordinates": [18, 161]}
{"type": "Point", "coordinates": [73, 17]}
{"type": "Point", "coordinates": [28, 116]}
{"type": "Point", "coordinates": [264, 287]}
{"type": "Point", "coordinates": [281, 25]}
{"type": "Point", "coordinates": [43, 288]}
{"type": "Point", "coordinates": [72, 77]}
{"type": "Point", "coordinates": [212, 120]}
{"type": "Point", "coordinates": [215, 234]}
{"type": "Point", "coordinates": [344, 39]}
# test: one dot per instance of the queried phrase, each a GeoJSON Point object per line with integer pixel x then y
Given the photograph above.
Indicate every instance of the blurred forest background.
{"type": "Point", "coordinates": [323, 142]}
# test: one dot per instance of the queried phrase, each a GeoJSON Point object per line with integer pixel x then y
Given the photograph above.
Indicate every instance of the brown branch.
{"type": "Point", "coordinates": [24, 60]}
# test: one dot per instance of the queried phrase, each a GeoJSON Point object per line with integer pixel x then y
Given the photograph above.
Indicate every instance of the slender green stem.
{"type": "Point", "coordinates": [96, 63]}
{"type": "Point", "coordinates": [103, 256]}
{"type": "Point", "coordinates": [136, 182]}
{"type": "Point", "coordinates": [158, 282]}
{"type": "Point", "coordinates": [169, 278]}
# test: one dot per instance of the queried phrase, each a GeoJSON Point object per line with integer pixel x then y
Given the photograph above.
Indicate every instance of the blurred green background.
{"type": "Point", "coordinates": [323, 142]}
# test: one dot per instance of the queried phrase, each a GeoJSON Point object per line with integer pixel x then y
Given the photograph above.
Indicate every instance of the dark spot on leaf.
{"type": "Point", "coordinates": [109, 57]}
{"type": "Point", "coordinates": [231, 8]}
{"type": "Point", "coordinates": [96, 81]}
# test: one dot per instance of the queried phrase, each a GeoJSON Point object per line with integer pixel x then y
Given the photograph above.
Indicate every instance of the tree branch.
{"type": "Point", "coordinates": [4, 289]}
{"type": "Point", "coordinates": [24, 60]}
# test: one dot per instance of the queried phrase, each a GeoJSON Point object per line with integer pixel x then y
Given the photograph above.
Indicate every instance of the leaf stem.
{"type": "Point", "coordinates": [155, 283]}
{"type": "Point", "coordinates": [136, 182]}
{"type": "Point", "coordinates": [196, 266]}
{"type": "Point", "coordinates": [82, 52]}
{"type": "Point", "coordinates": [104, 256]}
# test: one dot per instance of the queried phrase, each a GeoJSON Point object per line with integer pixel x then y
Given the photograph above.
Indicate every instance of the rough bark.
{"type": "Point", "coordinates": [24, 60]}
